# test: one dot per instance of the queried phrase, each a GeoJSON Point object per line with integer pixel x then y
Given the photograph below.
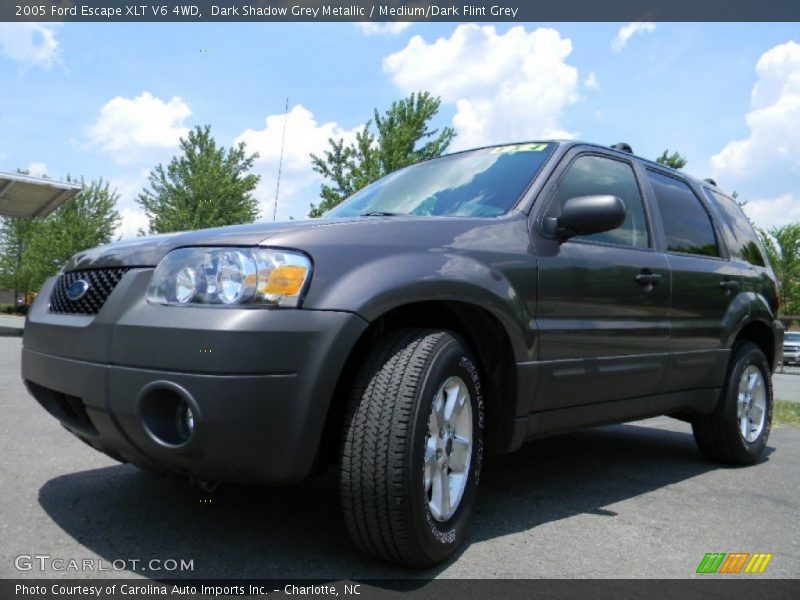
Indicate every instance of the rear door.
{"type": "Point", "coordinates": [704, 284]}
{"type": "Point", "coordinates": [603, 300]}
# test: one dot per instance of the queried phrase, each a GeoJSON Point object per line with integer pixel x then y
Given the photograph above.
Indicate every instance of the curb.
{"type": "Point", "coordinates": [11, 331]}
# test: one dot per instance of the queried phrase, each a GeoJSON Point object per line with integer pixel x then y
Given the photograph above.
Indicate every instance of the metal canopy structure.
{"type": "Point", "coordinates": [26, 196]}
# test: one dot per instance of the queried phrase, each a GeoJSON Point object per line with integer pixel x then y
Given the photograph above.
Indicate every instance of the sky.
{"type": "Point", "coordinates": [112, 100]}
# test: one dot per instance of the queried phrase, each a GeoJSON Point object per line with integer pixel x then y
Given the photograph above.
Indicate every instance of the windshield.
{"type": "Point", "coordinates": [792, 337]}
{"type": "Point", "coordinates": [478, 183]}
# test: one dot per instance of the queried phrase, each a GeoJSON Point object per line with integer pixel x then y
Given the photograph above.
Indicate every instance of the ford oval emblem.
{"type": "Point", "coordinates": [77, 289]}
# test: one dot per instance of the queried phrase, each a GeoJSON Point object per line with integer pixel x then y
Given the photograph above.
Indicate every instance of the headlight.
{"type": "Point", "coordinates": [230, 277]}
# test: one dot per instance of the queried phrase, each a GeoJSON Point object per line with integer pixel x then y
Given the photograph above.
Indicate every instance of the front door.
{"type": "Point", "coordinates": [603, 300]}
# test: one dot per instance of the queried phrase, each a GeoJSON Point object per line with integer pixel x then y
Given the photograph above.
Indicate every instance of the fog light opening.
{"type": "Point", "coordinates": [169, 414]}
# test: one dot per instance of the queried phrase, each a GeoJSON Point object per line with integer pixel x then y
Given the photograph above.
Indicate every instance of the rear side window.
{"type": "Point", "coordinates": [591, 175]}
{"type": "Point", "coordinates": [736, 229]}
{"type": "Point", "coordinates": [687, 226]}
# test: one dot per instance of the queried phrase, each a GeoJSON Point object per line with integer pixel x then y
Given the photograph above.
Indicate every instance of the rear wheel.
{"type": "Point", "coordinates": [413, 447]}
{"type": "Point", "coordinates": [737, 431]}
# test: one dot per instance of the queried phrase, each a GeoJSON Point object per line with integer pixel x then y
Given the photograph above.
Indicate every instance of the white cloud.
{"type": "Point", "coordinates": [31, 44]}
{"type": "Point", "coordinates": [773, 142]}
{"type": "Point", "coordinates": [303, 136]}
{"type": "Point", "coordinates": [504, 87]}
{"type": "Point", "coordinates": [37, 169]}
{"type": "Point", "coordinates": [626, 32]}
{"type": "Point", "coordinates": [371, 28]}
{"type": "Point", "coordinates": [126, 126]}
{"type": "Point", "coordinates": [774, 212]}
{"type": "Point", "coordinates": [133, 219]}
{"type": "Point", "coordinates": [591, 82]}
{"type": "Point", "coordinates": [299, 183]}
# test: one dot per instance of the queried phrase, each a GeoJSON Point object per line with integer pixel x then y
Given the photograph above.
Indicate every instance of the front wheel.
{"type": "Point", "coordinates": [413, 447]}
{"type": "Point", "coordinates": [736, 432]}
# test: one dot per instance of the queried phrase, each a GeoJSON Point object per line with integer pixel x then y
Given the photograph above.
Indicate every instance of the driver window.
{"type": "Point", "coordinates": [596, 175]}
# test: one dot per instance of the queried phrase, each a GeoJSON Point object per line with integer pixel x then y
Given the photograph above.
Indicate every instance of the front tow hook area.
{"type": "Point", "coordinates": [204, 485]}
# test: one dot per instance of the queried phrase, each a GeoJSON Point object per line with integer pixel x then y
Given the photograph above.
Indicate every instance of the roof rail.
{"type": "Point", "coordinates": [623, 147]}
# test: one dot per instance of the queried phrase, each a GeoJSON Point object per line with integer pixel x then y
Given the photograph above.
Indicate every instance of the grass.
{"type": "Point", "coordinates": [786, 413]}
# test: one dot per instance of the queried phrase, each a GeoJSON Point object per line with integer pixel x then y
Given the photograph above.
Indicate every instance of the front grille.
{"type": "Point", "coordinates": [101, 283]}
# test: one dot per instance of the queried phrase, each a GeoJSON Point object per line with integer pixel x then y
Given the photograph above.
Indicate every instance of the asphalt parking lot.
{"type": "Point", "coordinates": [623, 501]}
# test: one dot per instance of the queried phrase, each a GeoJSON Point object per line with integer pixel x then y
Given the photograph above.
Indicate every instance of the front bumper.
{"type": "Point", "coordinates": [260, 380]}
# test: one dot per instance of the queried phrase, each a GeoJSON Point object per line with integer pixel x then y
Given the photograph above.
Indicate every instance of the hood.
{"type": "Point", "coordinates": [149, 250]}
{"type": "Point", "coordinates": [323, 239]}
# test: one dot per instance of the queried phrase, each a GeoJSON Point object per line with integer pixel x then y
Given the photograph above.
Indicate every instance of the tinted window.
{"type": "Point", "coordinates": [596, 175]}
{"type": "Point", "coordinates": [687, 225]}
{"type": "Point", "coordinates": [479, 183]}
{"type": "Point", "coordinates": [736, 229]}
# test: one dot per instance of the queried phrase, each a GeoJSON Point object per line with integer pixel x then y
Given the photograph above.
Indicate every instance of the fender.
{"type": "Point", "coordinates": [738, 315]}
{"type": "Point", "coordinates": [759, 327]}
{"type": "Point", "coordinates": [387, 282]}
{"type": "Point", "coordinates": [756, 311]}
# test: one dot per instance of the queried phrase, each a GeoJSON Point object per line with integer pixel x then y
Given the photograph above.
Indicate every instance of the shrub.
{"type": "Point", "coordinates": [10, 309]}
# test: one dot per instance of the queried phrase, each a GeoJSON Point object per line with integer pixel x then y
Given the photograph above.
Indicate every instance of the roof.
{"type": "Point", "coordinates": [26, 196]}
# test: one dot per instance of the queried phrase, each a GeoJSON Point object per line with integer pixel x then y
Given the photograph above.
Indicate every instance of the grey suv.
{"type": "Point", "coordinates": [457, 307]}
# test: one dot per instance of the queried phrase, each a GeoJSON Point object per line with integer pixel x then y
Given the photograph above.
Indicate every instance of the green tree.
{"type": "Point", "coordinates": [675, 160]}
{"type": "Point", "coordinates": [33, 250]}
{"type": "Point", "coordinates": [783, 249]}
{"type": "Point", "coordinates": [85, 221]}
{"type": "Point", "coordinates": [204, 186]}
{"type": "Point", "coordinates": [15, 240]}
{"type": "Point", "coordinates": [402, 137]}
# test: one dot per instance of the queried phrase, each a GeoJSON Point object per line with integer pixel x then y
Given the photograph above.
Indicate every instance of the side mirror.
{"type": "Point", "coordinates": [586, 215]}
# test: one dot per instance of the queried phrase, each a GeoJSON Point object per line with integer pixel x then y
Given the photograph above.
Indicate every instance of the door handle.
{"type": "Point", "coordinates": [648, 280]}
{"type": "Point", "coordinates": [729, 286]}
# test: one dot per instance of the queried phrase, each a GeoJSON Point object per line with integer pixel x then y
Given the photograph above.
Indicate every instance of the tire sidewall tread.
{"type": "Point", "coordinates": [717, 434]}
{"type": "Point", "coordinates": [386, 420]}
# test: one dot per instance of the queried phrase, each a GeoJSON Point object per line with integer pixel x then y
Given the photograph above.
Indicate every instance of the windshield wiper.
{"type": "Point", "coordinates": [379, 213]}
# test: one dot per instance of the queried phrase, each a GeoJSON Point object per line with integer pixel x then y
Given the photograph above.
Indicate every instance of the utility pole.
{"type": "Point", "coordinates": [280, 161]}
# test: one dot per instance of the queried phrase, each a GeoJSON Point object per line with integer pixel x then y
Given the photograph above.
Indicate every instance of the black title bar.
{"type": "Point", "coordinates": [397, 10]}
{"type": "Point", "coordinates": [397, 589]}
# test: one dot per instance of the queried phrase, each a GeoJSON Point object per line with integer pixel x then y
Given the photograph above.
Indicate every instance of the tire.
{"type": "Point", "coordinates": [387, 496]}
{"type": "Point", "coordinates": [720, 434]}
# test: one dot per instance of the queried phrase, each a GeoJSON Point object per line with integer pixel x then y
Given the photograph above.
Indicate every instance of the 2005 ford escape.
{"type": "Point", "coordinates": [457, 307]}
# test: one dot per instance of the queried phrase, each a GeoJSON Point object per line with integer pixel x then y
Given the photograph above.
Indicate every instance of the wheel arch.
{"type": "Point", "coordinates": [487, 339]}
{"type": "Point", "coordinates": [761, 334]}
